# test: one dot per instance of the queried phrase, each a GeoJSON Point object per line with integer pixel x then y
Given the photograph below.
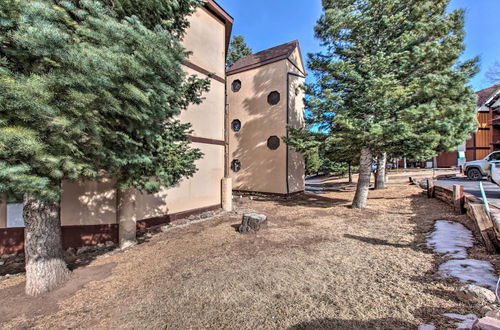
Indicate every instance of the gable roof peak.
{"type": "Point", "coordinates": [264, 57]}
{"type": "Point", "coordinates": [484, 95]}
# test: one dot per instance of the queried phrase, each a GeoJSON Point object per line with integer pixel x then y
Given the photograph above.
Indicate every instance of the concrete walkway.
{"type": "Point", "coordinates": [472, 187]}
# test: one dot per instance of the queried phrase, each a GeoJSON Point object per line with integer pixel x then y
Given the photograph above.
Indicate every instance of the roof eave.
{"type": "Point", "coordinates": [257, 65]}
{"type": "Point", "coordinates": [228, 20]}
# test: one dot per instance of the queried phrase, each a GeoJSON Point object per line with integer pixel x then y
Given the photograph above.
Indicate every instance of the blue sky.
{"type": "Point", "coordinates": [265, 24]}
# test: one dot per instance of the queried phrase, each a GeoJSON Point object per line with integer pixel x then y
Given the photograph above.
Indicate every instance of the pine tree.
{"type": "Point", "coordinates": [322, 151]}
{"type": "Point", "coordinates": [86, 95]}
{"type": "Point", "coordinates": [389, 79]}
{"type": "Point", "coordinates": [238, 48]}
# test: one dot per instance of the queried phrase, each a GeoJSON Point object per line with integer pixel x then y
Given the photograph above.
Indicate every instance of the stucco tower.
{"type": "Point", "coordinates": [264, 96]}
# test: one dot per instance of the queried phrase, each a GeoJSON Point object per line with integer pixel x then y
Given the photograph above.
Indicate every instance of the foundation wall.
{"type": "Point", "coordinates": [3, 212]}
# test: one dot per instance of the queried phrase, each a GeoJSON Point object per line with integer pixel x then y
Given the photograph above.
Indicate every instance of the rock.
{"type": "Point", "coordinates": [7, 256]}
{"type": "Point", "coordinates": [71, 252]}
{"type": "Point", "coordinates": [17, 265]}
{"type": "Point", "coordinates": [205, 215]}
{"type": "Point", "coordinates": [495, 313]}
{"type": "Point", "coordinates": [109, 244]}
{"type": "Point", "coordinates": [165, 228]}
{"type": "Point", "coordinates": [2, 262]}
{"type": "Point", "coordinates": [477, 294]}
{"type": "Point", "coordinates": [83, 250]}
{"type": "Point", "coordinates": [486, 309]}
{"type": "Point", "coordinates": [487, 323]}
{"type": "Point", "coordinates": [252, 222]}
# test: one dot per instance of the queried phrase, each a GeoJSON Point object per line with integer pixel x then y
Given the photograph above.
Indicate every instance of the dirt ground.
{"type": "Point", "coordinates": [319, 264]}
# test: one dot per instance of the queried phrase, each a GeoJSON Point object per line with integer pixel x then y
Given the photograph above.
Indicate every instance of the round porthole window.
{"type": "Point", "coordinates": [236, 165]}
{"type": "Point", "coordinates": [236, 125]}
{"type": "Point", "coordinates": [273, 98]}
{"type": "Point", "coordinates": [236, 86]}
{"type": "Point", "coordinates": [273, 142]}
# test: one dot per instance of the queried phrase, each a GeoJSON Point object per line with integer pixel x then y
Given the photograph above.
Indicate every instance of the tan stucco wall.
{"type": "Point", "coordinates": [205, 38]}
{"type": "Point", "coordinates": [296, 58]}
{"type": "Point", "coordinates": [262, 169]}
{"type": "Point", "coordinates": [296, 165]}
{"type": "Point", "coordinates": [207, 118]}
{"type": "Point", "coordinates": [202, 190]}
{"type": "Point", "coordinates": [3, 212]}
{"type": "Point", "coordinates": [88, 203]}
{"type": "Point", "coordinates": [93, 203]}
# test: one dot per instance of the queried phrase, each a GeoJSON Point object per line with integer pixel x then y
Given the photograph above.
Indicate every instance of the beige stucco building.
{"type": "Point", "coordinates": [263, 97]}
{"type": "Point", "coordinates": [89, 210]}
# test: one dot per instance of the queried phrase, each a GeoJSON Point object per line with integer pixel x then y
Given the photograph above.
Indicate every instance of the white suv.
{"type": "Point", "coordinates": [477, 169]}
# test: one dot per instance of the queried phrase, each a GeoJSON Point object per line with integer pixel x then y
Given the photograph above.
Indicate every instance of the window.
{"type": "Point", "coordinates": [236, 86]}
{"type": "Point", "coordinates": [494, 156]}
{"type": "Point", "coordinates": [273, 143]}
{"type": "Point", "coordinates": [15, 217]}
{"type": "Point", "coordinates": [273, 98]}
{"type": "Point", "coordinates": [236, 125]}
{"type": "Point", "coordinates": [236, 165]}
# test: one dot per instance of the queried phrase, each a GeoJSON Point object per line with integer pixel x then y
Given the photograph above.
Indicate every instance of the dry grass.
{"type": "Point", "coordinates": [319, 264]}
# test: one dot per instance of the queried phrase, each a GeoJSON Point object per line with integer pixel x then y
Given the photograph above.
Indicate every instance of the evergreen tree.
{"type": "Point", "coordinates": [389, 79]}
{"type": "Point", "coordinates": [171, 15]}
{"type": "Point", "coordinates": [238, 48]}
{"type": "Point", "coordinates": [322, 152]}
{"type": "Point", "coordinates": [86, 95]}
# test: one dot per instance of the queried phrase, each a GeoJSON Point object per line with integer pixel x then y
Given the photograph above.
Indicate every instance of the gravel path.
{"type": "Point", "coordinates": [319, 264]}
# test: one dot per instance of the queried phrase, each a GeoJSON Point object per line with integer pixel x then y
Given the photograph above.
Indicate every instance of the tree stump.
{"type": "Point", "coordinates": [252, 222]}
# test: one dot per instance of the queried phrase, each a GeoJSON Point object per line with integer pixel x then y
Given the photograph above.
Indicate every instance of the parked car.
{"type": "Point", "coordinates": [495, 172]}
{"type": "Point", "coordinates": [477, 169]}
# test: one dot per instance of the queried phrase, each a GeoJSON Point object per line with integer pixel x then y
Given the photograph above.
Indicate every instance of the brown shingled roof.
{"type": "Point", "coordinates": [264, 57]}
{"type": "Point", "coordinates": [484, 94]}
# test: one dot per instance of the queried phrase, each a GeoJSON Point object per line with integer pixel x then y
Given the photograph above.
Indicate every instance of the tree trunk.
{"type": "Point", "coordinates": [350, 173]}
{"type": "Point", "coordinates": [380, 177]}
{"type": "Point", "coordinates": [45, 266]}
{"type": "Point", "coordinates": [365, 162]}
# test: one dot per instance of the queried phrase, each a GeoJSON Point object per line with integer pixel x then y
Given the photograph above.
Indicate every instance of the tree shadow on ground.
{"type": "Point", "coordinates": [376, 241]}
{"type": "Point", "coordinates": [15, 265]}
{"type": "Point", "coordinates": [330, 323]}
{"type": "Point", "coordinates": [303, 199]}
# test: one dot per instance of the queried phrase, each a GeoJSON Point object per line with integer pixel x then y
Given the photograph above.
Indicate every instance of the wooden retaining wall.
{"type": "Point", "coordinates": [473, 207]}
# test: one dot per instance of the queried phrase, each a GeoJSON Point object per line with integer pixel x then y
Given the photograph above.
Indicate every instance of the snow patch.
{"type": "Point", "coordinates": [451, 239]}
{"type": "Point", "coordinates": [467, 320]}
{"type": "Point", "coordinates": [473, 271]}
{"type": "Point", "coordinates": [427, 327]}
{"type": "Point", "coordinates": [311, 188]}
{"type": "Point", "coordinates": [317, 180]}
